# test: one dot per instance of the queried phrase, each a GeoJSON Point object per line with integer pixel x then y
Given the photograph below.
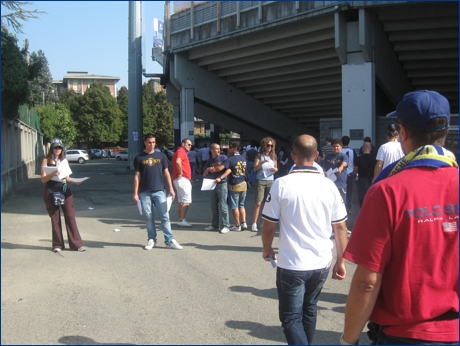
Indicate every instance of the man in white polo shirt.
{"type": "Point", "coordinates": [305, 204]}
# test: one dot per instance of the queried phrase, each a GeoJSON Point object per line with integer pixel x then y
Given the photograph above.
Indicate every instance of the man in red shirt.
{"type": "Point", "coordinates": [405, 239]}
{"type": "Point", "coordinates": [182, 174]}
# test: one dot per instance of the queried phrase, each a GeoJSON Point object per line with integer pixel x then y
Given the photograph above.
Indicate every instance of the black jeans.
{"type": "Point", "coordinates": [378, 337]}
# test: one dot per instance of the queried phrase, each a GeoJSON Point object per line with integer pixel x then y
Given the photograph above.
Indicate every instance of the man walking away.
{"type": "Point", "coordinates": [364, 170]}
{"type": "Point", "coordinates": [405, 239]}
{"type": "Point", "coordinates": [305, 204]}
{"type": "Point", "coordinates": [149, 169]}
{"type": "Point", "coordinates": [182, 174]}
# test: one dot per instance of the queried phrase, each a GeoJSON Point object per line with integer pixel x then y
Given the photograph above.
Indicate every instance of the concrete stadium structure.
{"type": "Point", "coordinates": [282, 68]}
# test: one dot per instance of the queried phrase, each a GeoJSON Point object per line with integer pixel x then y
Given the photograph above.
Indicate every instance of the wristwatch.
{"type": "Point", "coordinates": [343, 342]}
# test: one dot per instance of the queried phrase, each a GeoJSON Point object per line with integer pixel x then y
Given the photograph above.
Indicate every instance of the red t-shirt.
{"type": "Point", "coordinates": [186, 169]}
{"type": "Point", "coordinates": [407, 230]}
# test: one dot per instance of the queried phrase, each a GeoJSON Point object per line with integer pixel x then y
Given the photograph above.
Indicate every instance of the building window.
{"type": "Point", "coordinates": [75, 84]}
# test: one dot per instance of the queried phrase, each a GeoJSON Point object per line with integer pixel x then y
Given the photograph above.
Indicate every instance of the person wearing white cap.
{"type": "Point", "coordinates": [405, 238]}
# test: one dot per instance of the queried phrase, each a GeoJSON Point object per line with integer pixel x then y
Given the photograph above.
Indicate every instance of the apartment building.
{"type": "Point", "coordinates": [80, 81]}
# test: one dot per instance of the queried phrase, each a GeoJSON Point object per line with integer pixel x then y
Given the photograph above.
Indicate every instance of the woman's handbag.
{"type": "Point", "coordinates": [58, 198]}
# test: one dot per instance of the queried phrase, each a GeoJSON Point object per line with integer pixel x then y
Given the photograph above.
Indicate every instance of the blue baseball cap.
{"type": "Point", "coordinates": [418, 107]}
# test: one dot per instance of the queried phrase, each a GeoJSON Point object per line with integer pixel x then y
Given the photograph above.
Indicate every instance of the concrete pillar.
{"type": "Point", "coordinates": [187, 113]}
{"type": "Point", "coordinates": [358, 90]}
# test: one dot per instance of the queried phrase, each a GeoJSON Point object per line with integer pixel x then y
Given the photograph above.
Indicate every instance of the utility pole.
{"type": "Point", "coordinates": [135, 125]}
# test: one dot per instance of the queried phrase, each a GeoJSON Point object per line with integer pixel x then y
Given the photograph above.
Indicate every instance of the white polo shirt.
{"type": "Point", "coordinates": [306, 205]}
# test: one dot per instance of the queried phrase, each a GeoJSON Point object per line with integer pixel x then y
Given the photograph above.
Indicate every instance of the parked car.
{"type": "Point", "coordinates": [95, 154]}
{"type": "Point", "coordinates": [112, 154]}
{"type": "Point", "coordinates": [105, 154]}
{"type": "Point", "coordinates": [77, 155]}
{"type": "Point", "coordinates": [122, 155]}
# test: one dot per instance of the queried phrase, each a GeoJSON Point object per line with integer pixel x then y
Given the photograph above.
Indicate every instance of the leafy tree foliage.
{"type": "Point", "coordinates": [122, 100]}
{"type": "Point", "coordinates": [15, 75]}
{"type": "Point", "coordinates": [41, 87]}
{"type": "Point", "coordinates": [56, 121]}
{"type": "Point", "coordinates": [13, 13]}
{"type": "Point", "coordinates": [98, 116]}
{"type": "Point", "coordinates": [157, 115]}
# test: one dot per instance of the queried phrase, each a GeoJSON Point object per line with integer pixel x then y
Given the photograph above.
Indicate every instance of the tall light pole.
{"type": "Point", "coordinates": [135, 128]}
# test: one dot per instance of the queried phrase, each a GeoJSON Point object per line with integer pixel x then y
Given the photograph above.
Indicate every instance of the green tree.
{"type": "Point", "coordinates": [41, 87]}
{"type": "Point", "coordinates": [157, 115]}
{"type": "Point", "coordinates": [15, 76]}
{"type": "Point", "coordinates": [13, 13]}
{"type": "Point", "coordinates": [122, 100]}
{"type": "Point", "coordinates": [56, 121]}
{"type": "Point", "coordinates": [98, 117]}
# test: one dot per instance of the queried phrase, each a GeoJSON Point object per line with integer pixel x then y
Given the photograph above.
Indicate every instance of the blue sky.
{"type": "Point", "coordinates": [89, 36]}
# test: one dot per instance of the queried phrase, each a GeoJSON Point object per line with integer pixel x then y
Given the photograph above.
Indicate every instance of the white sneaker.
{"type": "Point", "coordinates": [224, 230]}
{"type": "Point", "coordinates": [175, 245]}
{"type": "Point", "coordinates": [254, 227]}
{"type": "Point", "coordinates": [56, 249]}
{"type": "Point", "coordinates": [184, 223]}
{"type": "Point", "coordinates": [235, 228]}
{"type": "Point", "coordinates": [210, 228]}
{"type": "Point", "coordinates": [244, 226]}
{"type": "Point", "coordinates": [150, 245]}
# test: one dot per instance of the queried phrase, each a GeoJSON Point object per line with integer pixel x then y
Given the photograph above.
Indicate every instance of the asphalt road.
{"type": "Point", "coordinates": [217, 290]}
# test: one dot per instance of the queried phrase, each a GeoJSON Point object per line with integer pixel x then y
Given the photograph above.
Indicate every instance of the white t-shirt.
{"type": "Point", "coordinates": [389, 153]}
{"type": "Point", "coordinates": [305, 204]}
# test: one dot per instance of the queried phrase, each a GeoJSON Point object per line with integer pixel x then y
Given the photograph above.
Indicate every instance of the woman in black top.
{"type": "Point", "coordinates": [54, 159]}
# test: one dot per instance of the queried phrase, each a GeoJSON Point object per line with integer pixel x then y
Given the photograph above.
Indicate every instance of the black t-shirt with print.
{"type": "Point", "coordinates": [150, 167]}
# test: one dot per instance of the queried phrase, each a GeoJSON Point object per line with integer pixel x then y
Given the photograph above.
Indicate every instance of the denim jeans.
{"type": "Point", "coordinates": [298, 293]}
{"type": "Point", "coordinates": [219, 204]}
{"type": "Point", "coordinates": [193, 168]}
{"type": "Point", "coordinates": [157, 199]}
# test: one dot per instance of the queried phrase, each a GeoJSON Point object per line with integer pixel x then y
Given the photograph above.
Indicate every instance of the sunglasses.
{"type": "Point", "coordinates": [269, 145]}
{"type": "Point", "coordinates": [57, 148]}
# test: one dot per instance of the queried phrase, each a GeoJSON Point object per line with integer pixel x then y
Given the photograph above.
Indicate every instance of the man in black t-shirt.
{"type": "Point", "coordinates": [149, 191]}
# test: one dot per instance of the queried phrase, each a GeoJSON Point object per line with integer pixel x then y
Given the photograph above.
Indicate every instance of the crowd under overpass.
{"type": "Point", "coordinates": [282, 68]}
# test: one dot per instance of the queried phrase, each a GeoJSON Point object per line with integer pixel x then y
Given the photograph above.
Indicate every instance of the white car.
{"type": "Point", "coordinates": [77, 155]}
{"type": "Point", "coordinates": [122, 155]}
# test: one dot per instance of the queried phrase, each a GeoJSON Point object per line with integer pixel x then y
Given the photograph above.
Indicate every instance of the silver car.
{"type": "Point", "coordinates": [77, 155]}
{"type": "Point", "coordinates": [122, 155]}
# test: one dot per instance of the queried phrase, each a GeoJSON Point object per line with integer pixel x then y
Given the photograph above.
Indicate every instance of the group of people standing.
{"type": "Point", "coordinates": [404, 241]}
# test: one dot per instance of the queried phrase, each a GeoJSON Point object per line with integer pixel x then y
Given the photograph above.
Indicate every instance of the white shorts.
{"type": "Point", "coordinates": [184, 190]}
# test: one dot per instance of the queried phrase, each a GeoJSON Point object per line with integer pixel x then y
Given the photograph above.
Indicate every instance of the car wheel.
{"type": "Point", "coordinates": [81, 160]}
{"type": "Point", "coordinates": [118, 158]}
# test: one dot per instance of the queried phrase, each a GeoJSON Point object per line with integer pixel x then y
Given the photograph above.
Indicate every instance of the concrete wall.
{"type": "Point", "coordinates": [22, 151]}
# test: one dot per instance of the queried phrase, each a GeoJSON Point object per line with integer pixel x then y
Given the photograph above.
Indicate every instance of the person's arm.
{"type": "Point", "coordinates": [137, 178]}
{"type": "Point", "coordinates": [179, 167]}
{"type": "Point", "coordinates": [268, 234]}
{"type": "Point", "coordinates": [364, 289]}
{"type": "Point", "coordinates": [257, 163]}
{"type": "Point", "coordinates": [355, 171]}
{"type": "Point", "coordinates": [377, 168]}
{"type": "Point", "coordinates": [343, 165]}
{"type": "Point", "coordinates": [223, 176]}
{"type": "Point", "coordinates": [169, 182]}
{"type": "Point", "coordinates": [340, 234]}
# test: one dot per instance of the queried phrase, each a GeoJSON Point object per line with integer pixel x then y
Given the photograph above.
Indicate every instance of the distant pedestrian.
{"type": "Point", "coordinates": [237, 186]}
{"type": "Point", "coordinates": [251, 157]}
{"type": "Point", "coordinates": [338, 160]}
{"type": "Point", "coordinates": [364, 171]}
{"type": "Point", "coordinates": [56, 159]}
{"type": "Point", "coordinates": [182, 174]}
{"type": "Point", "coordinates": [192, 156]}
{"type": "Point", "coordinates": [265, 166]}
{"type": "Point", "coordinates": [327, 149]}
{"type": "Point", "coordinates": [216, 168]}
{"type": "Point", "coordinates": [150, 168]}
{"type": "Point", "coordinates": [204, 155]}
{"type": "Point", "coordinates": [388, 152]}
{"type": "Point", "coordinates": [351, 159]}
